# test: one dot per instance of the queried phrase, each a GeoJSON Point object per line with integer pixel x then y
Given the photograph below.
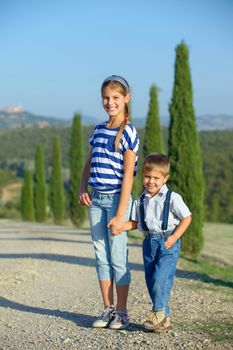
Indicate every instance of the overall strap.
{"type": "Point", "coordinates": [142, 213]}
{"type": "Point", "coordinates": [166, 210]}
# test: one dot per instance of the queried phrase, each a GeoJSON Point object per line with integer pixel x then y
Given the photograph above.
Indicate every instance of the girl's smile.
{"type": "Point", "coordinates": [114, 102]}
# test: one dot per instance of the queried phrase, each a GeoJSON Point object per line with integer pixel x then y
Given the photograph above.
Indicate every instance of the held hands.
{"type": "Point", "coordinates": [84, 198]}
{"type": "Point", "coordinates": [116, 225]}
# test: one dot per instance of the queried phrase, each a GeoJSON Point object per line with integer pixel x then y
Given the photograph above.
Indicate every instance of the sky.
{"type": "Point", "coordinates": [55, 54]}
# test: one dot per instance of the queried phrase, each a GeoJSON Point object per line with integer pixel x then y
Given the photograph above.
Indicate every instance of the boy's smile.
{"type": "Point", "coordinates": [153, 180]}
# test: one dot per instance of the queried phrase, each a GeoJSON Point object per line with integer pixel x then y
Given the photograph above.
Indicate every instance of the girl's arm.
{"type": "Point", "coordinates": [84, 197]}
{"type": "Point", "coordinates": [117, 222]}
{"type": "Point", "coordinates": [181, 228]}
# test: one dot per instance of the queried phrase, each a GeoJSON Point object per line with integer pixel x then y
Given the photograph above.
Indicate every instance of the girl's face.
{"type": "Point", "coordinates": [114, 102]}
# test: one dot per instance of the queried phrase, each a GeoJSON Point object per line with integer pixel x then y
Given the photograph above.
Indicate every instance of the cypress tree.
{"type": "Point", "coordinates": [27, 204]}
{"type": "Point", "coordinates": [184, 152]}
{"type": "Point", "coordinates": [40, 195]}
{"type": "Point", "coordinates": [77, 212]}
{"type": "Point", "coordinates": [152, 138]}
{"type": "Point", "coordinates": [137, 183]}
{"type": "Point", "coordinates": [57, 197]}
{"type": "Point", "coordinates": [153, 141]}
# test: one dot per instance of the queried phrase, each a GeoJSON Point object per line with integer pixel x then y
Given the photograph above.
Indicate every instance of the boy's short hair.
{"type": "Point", "coordinates": [157, 160]}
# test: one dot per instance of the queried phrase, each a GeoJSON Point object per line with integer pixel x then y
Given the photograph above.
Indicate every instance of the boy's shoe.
{"type": "Point", "coordinates": [120, 320]}
{"type": "Point", "coordinates": [154, 320]}
{"type": "Point", "coordinates": [104, 318]}
{"type": "Point", "coordinates": [166, 327]}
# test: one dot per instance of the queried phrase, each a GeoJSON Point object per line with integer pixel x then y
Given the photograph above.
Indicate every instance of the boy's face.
{"type": "Point", "coordinates": [153, 180]}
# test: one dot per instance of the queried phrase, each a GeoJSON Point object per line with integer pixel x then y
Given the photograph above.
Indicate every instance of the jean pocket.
{"type": "Point", "coordinates": [93, 194]}
{"type": "Point", "coordinates": [175, 249]}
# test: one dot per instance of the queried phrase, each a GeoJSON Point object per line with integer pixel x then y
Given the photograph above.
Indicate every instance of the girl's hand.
{"type": "Point", "coordinates": [84, 198]}
{"type": "Point", "coordinates": [115, 231]}
{"type": "Point", "coordinates": [171, 240]}
{"type": "Point", "coordinates": [116, 225]}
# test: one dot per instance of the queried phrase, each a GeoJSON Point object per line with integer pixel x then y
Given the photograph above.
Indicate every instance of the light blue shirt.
{"type": "Point", "coordinates": [153, 209]}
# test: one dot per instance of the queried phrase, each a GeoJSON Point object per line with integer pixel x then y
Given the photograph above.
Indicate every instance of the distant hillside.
{"type": "Point", "coordinates": [17, 118]}
{"type": "Point", "coordinates": [205, 122]}
{"type": "Point", "coordinates": [14, 117]}
{"type": "Point", "coordinates": [215, 122]}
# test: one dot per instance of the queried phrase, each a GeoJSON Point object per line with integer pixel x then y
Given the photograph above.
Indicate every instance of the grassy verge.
{"type": "Point", "coordinates": [218, 242]}
{"type": "Point", "coordinates": [209, 270]}
{"type": "Point", "coordinates": [219, 331]}
{"type": "Point", "coordinates": [206, 271]}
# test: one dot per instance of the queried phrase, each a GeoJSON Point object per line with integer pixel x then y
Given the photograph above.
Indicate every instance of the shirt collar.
{"type": "Point", "coordinates": [163, 190]}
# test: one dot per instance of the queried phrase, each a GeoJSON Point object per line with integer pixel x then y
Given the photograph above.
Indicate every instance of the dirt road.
{"type": "Point", "coordinates": [50, 296]}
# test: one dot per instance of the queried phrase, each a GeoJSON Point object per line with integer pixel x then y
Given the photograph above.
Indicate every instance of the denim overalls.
{"type": "Point", "coordinates": [159, 262]}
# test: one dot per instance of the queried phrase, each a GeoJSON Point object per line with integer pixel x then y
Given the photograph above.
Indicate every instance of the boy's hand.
{"type": "Point", "coordinates": [171, 240]}
{"type": "Point", "coordinates": [180, 229]}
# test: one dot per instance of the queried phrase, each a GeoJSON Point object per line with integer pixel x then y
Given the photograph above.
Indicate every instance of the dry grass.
{"type": "Point", "coordinates": [11, 192]}
{"type": "Point", "coordinates": [218, 243]}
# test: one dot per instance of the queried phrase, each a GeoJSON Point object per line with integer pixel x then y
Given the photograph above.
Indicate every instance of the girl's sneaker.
{"type": "Point", "coordinates": [120, 320]}
{"type": "Point", "coordinates": [104, 318]}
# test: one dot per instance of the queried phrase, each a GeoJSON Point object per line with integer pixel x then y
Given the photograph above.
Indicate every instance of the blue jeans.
{"type": "Point", "coordinates": [160, 269]}
{"type": "Point", "coordinates": [110, 250]}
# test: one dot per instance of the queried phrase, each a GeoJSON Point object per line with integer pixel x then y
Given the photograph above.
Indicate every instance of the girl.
{"type": "Point", "coordinates": [109, 170]}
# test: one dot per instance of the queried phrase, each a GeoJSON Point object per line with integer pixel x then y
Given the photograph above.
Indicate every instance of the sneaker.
{"type": "Point", "coordinates": [166, 327]}
{"type": "Point", "coordinates": [104, 318]}
{"type": "Point", "coordinates": [154, 320]}
{"type": "Point", "coordinates": [120, 320]}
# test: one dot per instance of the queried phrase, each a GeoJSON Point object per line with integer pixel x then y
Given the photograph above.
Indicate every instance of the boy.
{"type": "Point", "coordinates": [163, 220]}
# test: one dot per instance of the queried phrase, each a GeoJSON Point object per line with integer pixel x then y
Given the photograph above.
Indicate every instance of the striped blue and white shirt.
{"type": "Point", "coordinates": [107, 165]}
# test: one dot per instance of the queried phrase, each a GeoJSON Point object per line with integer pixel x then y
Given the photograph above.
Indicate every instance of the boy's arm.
{"type": "Point", "coordinates": [128, 226]}
{"type": "Point", "coordinates": [181, 228]}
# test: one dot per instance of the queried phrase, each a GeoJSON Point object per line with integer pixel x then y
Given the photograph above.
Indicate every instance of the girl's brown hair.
{"type": "Point", "coordinates": [123, 89]}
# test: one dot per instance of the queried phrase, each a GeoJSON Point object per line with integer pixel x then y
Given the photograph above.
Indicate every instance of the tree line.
{"type": "Point", "coordinates": [216, 152]}
{"type": "Point", "coordinates": [38, 201]}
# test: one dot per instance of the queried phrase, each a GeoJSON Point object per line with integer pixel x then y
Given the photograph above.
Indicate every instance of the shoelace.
{"type": "Point", "coordinates": [152, 316]}
{"type": "Point", "coordinates": [105, 313]}
{"type": "Point", "coordinates": [119, 316]}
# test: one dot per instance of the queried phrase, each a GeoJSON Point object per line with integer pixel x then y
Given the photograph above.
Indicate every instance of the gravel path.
{"type": "Point", "coordinates": [50, 296]}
